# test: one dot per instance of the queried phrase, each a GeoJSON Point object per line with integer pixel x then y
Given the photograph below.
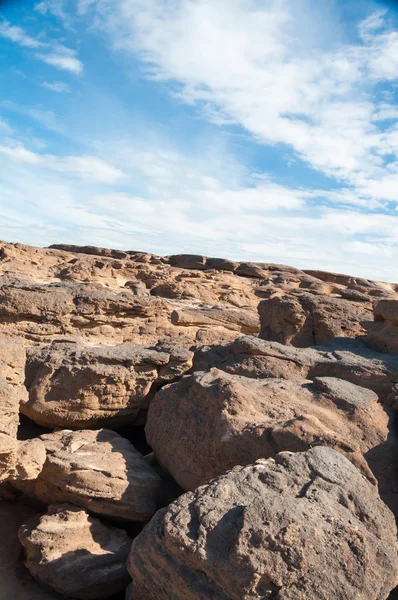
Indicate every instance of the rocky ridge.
{"type": "Point", "coordinates": [186, 427]}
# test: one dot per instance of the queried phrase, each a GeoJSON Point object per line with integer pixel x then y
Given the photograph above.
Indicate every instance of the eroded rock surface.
{"type": "Point", "coordinates": [97, 470]}
{"type": "Point", "coordinates": [76, 386]}
{"type": "Point", "coordinates": [305, 320]}
{"type": "Point", "coordinates": [75, 554]}
{"type": "Point", "coordinates": [211, 421]}
{"type": "Point", "coordinates": [383, 333]}
{"type": "Point", "coordinates": [303, 526]}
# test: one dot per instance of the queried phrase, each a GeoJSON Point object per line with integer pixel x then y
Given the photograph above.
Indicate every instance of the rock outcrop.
{"type": "Point", "coordinates": [305, 526]}
{"type": "Point", "coordinates": [76, 386]}
{"type": "Point", "coordinates": [306, 320]}
{"type": "Point", "coordinates": [97, 470]}
{"type": "Point", "coordinates": [211, 421]}
{"type": "Point", "coordinates": [382, 335]}
{"type": "Point", "coordinates": [76, 555]}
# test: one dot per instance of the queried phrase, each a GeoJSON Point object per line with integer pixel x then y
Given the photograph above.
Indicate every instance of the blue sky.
{"type": "Point", "coordinates": [253, 129]}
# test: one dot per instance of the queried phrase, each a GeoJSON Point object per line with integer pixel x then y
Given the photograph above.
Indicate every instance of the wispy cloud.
{"type": "Point", "coordinates": [18, 35]}
{"type": "Point", "coordinates": [51, 52]}
{"type": "Point", "coordinates": [57, 86]}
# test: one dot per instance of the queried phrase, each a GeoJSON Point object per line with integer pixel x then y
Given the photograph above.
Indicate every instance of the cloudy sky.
{"type": "Point", "coordinates": [253, 129]}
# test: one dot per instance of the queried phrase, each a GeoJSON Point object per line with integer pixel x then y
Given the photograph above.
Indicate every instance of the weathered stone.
{"type": "Point", "coordinates": [383, 333]}
{"type": "Point", "coordinates": [306, 320]}
{"type": "Point", "coordinates": [75, 554]}
{"type": "Point", "coordinates": [209, 422]}
{"type": "Point", "coordinates": [245, 321]}
{"type": "Point", "coordinates": [345, 359]}
{"type": "Point", "coordinates": [77, 386]}
{"type": "Point", "coordinates": [97, 470]}
{"type": "Point", "coordinates": [305, 526]}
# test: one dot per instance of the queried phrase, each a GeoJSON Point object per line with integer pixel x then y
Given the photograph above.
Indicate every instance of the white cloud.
{"type": "Point", "coordinates": [18, 35]}
{"type": "Point", "coordinates": [62, 62]}
{"type": "Point", "coordinates": [87, 168]}
{"type": "Point", "coordinates": [252, 64]}
{"type": "Point", "coordinates": [52, 53]}
{"type": "Point", "coordinates": [57, 86]}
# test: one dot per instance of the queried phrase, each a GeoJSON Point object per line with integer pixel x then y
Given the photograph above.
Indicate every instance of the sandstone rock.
{"type": "Point", "coordinates": [305, 320]}
{"type": "Point", "coordinates": [75, 554]}
{"type": "Point", "coordinates": [15, 580]}
{"type": "Point", "coordinates": [345, 359]}
{"type": "Point", "coordinates": [97, 470]}
{"type": "Point", "coordinates": [383, 333]}
{"type": "Point", "coordinates": [243, 320]}
{"type": "Point", "coordinates": [77, 386]}
{"type": "Point", "coordinates": [94, 250]}
{"type": "Point", "coordinates": [187, 261]}
{"type": "Point", "coordinates": [305, 526]}
{"type": "Point", "coordinates": [209, 422]}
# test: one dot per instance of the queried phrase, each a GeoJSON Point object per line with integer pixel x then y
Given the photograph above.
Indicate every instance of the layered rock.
{"type": "Point", "coordinates": [76, 386]}
{"type": "Point", "coordinates": [382, 335]}
{"type": "Point", "coordinates": [345, 359]}
{"type": "Point", "coordinates": [305, 526]}
{"type": "Point", "coordinates": [305, 320]}
{"type": "Point", "coordinates": [15, 580]}
{"type": "Point", "coordinates": [18, 460]}
{"type": "Point", "coordinates": [75, 554]}
{"type": "Point", "coordinates": [211, 421]}
{"type": "Point", "coordinates": [97, 470]}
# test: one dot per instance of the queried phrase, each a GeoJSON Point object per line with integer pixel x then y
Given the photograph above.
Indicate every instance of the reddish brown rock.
{"type": "Point", "coordinates": [305, 526]}
{"type": "Point", "coordinates": [383, 333]}
{"type": "Point", "coordinates": [74, 554]}
{"type": "Point", "coordinates": [306, 320]}
{"type": "Point", "coordinates": [76, 386]}
{"type": "Point", "coordinates": [97, 470]}
{"type": "Point", "coordinates": [209, 422]}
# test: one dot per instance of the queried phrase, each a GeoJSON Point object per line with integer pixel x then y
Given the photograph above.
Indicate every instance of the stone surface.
{"type": "Point", "coordinates": [76, 386]}
{"type": "Point", "coordinates": [97, 470]}
{"type": "Point", "coordinates": [75, 554]}
{"type": "Point", "coordinates": [15, 581]}
{"type": "Point", "coordinates": [305, 526]}
{"type": "Point", "coordinates": [211, 421]}
{"type": "Point", "coordinates": [345, 359]}
{"type": "Point", "coordinates": [382, 335]}
{"type": "Point", "coordinates": [305, 320]}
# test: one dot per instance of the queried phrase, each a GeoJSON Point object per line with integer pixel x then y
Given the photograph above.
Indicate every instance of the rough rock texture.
{"type": "Point", "coordinates": [305, 526]}
{"type": "Point", "coordinates": [97, 470]}
{"type": "Point", "coordinates": [383, 333]}
{"type": "Point", "coordinates": [75, 554]}
{"type": "Point", "coordinates": [209, 422]}
{"type": "Point", "coordinates": [113, 296]}
{"type": "Point", "coordinates": [75, 386]}
{"type": "Point", "coordinates": [305, 320]}
{"type": "Point", "coordinates": [345, 359]}
{"type": "Point", "coordinates": [15, 581]}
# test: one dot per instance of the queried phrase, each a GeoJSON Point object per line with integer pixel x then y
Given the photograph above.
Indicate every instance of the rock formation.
{"type": "Point", "coordinates": [66, 541]}
{"type": "Point", "coordinates": [301, 526]}
{"type": "Point", "coordinates": [270, 393]}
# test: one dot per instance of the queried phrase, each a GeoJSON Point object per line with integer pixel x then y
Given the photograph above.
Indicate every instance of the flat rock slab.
{"type": "Point", "coordinates": [305, 526]}
{"type": "Point", "coordinates": [97, 470]}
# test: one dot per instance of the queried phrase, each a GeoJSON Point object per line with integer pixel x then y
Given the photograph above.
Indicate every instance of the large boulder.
{"type": "Point", "coordinates": [383, 333]}
{"type": "Point", "coordinates": [75, 554]}
{"type": "Point", "coordinates": [97, 470]}
{"type": "Point", "coordinates": [307, 320]}
{"type": "Point", "coordinates": [305, 526]}
{"type": "Point", "coordinates": [211, 421]}
{"type": "Point", "coordinates": [76, 386]}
